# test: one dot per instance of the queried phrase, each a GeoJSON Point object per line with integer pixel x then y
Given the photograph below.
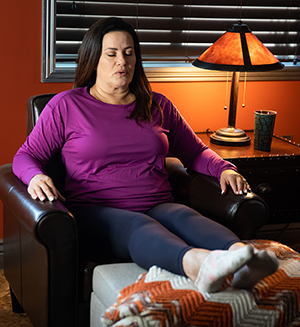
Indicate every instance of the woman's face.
{"type": "Point", "coordinates": [117, 61]}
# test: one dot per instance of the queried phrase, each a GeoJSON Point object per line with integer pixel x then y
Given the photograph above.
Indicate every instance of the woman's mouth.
{"type": "Point", "coordinates": [121, 73]}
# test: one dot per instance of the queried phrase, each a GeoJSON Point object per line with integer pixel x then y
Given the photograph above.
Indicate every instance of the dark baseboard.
{"type": "Point", "coordinates": [1, 253]}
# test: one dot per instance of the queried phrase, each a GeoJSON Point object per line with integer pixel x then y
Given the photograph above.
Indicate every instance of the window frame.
{"type": "Point", "coordinates": [53, 74]}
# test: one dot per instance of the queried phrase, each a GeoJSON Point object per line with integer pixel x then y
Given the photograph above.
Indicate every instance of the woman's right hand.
{"type": "Point", "coordinates": [42, 187]}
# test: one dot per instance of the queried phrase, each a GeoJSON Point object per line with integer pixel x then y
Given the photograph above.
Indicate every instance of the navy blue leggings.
{"type": "Point", "coordinates": [159, 237]}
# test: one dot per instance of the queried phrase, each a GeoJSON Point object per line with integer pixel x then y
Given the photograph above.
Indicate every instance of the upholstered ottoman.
{"type": "Point", "coordinates": [108, 281]}
{"type": "Point", "coordinates": [159, 298]}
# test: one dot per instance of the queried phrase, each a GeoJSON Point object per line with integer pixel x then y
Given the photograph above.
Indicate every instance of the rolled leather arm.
{"type": "Point", "coordinates": [41, 237]}
{"type": "Point", "coordinates": [29, 212]}
{"type": "Point", "coordinates": [243, 214]}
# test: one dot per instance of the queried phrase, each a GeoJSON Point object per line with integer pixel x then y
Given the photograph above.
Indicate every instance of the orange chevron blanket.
{"type": "Point", "coordinates": [160, 298]}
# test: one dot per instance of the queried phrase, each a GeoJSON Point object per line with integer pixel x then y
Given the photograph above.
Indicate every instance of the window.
{"type": "Point", "coordinates": [172, 33]}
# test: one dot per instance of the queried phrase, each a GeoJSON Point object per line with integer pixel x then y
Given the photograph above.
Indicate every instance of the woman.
{"type": "Point", "coordinates": [114, 134]}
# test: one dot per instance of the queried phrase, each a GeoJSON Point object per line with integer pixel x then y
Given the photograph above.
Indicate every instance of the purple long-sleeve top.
{"type": "Point", "coordinates": [111, 160]}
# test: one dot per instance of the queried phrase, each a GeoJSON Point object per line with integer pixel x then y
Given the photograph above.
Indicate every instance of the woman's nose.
{"type": "Point", "coordinates": [121, 60]}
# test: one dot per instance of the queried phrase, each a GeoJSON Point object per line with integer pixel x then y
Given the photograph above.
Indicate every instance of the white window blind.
{"type": "Point", "coordinates": [174, 33]}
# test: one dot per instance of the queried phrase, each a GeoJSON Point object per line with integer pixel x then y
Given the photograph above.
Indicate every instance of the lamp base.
{"type": "Point", "coordinates": [230, 136]}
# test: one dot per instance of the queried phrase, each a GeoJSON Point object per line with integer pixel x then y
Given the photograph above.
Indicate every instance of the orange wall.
{"type": "Point", "coordinates": [200, 103]}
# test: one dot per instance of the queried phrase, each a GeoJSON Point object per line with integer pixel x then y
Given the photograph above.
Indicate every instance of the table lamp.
{"type": "Point", "coordinates": [237, 50]}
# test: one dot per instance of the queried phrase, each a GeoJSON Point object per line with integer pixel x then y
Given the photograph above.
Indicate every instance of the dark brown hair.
{"type": "Point", "coordinates": [88, 56]}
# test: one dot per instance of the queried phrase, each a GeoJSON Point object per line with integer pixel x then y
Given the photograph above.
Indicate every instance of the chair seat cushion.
{"type": "Point", "coordinates": [160, 298]}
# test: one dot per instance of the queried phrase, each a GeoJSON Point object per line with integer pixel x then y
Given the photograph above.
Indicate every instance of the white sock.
{"type": "Point", "coordinates": [261, 265]}
{"type": "Point", "coordinates": [220, 264]}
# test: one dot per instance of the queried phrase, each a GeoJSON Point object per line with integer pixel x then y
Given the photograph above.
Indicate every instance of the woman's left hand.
{"type": "Point", "coordinates": [237, 182]}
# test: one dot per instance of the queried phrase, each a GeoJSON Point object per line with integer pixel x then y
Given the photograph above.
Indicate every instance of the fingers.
{"type": "Point", "coordinates": [240, 185]}
{"type": "Point", "coordinates": [237, 182]}
{"type": "Point", "coordinates": [246, 187]}
{"type": "Point", "coordinates": [223, 185]}
{"type": "Point", "coordinates": [42, 187]}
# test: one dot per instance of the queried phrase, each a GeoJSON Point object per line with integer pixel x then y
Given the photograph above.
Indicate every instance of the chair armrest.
{"type": "Point", "coordinates": [29, 212]}
{"type": "Point", "coordinates": [243, 214]}
{"type": "Point", "coordinates": [41, 238]}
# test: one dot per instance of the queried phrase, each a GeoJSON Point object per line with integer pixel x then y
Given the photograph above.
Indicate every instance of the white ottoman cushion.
{"type": "Point", "coordinates": [108, 281]}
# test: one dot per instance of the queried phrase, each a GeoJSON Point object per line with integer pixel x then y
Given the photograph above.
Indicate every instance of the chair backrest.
{"type": "Point", "coordinates": [55, 168]}
{"type": "Point", "coordinates": [35, 106]}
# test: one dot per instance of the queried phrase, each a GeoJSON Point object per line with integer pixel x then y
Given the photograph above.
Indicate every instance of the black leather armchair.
{"type": "Point", "coordinates": [49, 278]}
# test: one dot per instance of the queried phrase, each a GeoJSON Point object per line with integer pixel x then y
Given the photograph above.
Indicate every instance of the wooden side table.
{"type": "Point", "coordinates": [274, 176]}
